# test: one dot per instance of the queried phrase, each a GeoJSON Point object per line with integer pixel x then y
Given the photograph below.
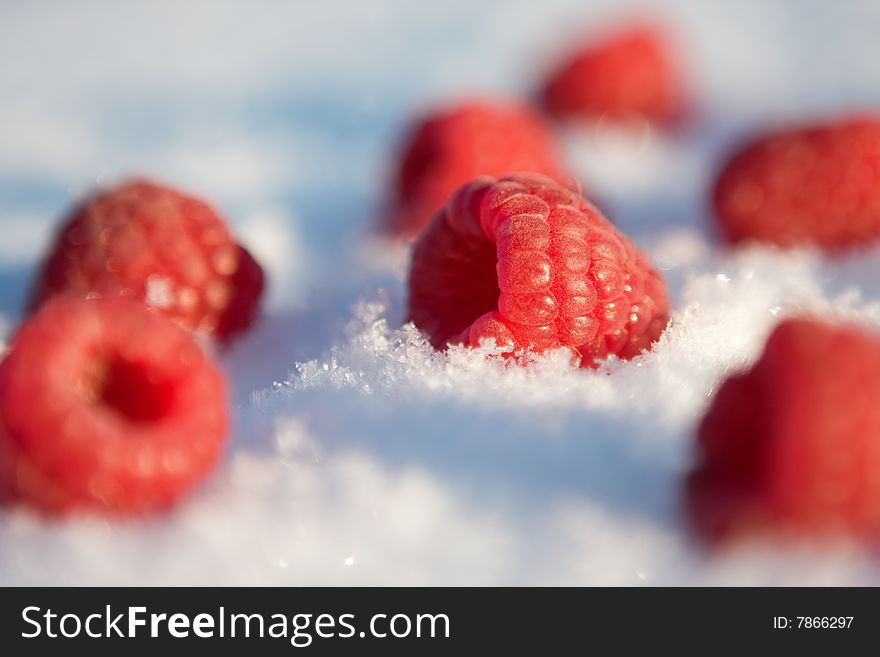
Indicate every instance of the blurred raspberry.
{"type": "Point", "coordinates": [817, 185]}
{"type": "Point", "coordinates": [530, 263]}
{"type": "Point", "coordinates": [147, 242]}
{"type": "Point", "coordinates": [629, 74]}
{"type": "Point", "coordinates": [794, 443]}
{"type": "Point", "coordinates": [456, 144]}
{"type": "Point", "coordinates": [106, 406]}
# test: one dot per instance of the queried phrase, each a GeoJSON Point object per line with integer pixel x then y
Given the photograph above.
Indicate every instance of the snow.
{"type": "Point", "coordinates": [359, 454]}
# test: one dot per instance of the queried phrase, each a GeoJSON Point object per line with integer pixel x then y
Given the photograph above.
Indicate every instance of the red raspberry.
{"type": "Point", "coordinates": [628, 74]}
{"type": "Point", "coordinates": [794, 442]}
{"type": "Point", "coordinates": [814, 185]}
{"type": "Point", "coordinates": [530, 263]}
{"type": "Point", "coordinates": [105, 405]}
{"type": "Point", "coordinates": [457, 144]}
{"type": "Point", "coordinates": [156, 245]}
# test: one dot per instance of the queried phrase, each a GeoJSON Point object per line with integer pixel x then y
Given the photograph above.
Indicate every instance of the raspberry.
{"type": "Point", "coordinates": [817, 185]}
{"type": "Point", "coordinates": [457, 144]}
{"type": "Point", "coordinates": [105, 405]}
{"type": "Point", "coordinates": [530, 263]}
{"type": "Point", "coordinates": [794, 443]}
{"type": "Point", "coordinates": [628, 74]}
{"type": "Point", "coordinates": [154, 244]}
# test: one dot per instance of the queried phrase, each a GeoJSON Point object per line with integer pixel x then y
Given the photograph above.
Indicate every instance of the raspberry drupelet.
{"type": "Point", "coordinates": [151, 243]}
{"type": "Point", "coordinates": [532, 264]}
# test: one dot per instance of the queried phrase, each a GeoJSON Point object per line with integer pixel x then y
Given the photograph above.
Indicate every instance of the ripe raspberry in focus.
{"type": "Point", "coordinates": [629, 74]}
{"type": "Point", "coordinates": [106, 406]}
{"type": "Point", "coordinates": [530, 263]}
{"type": "Point", "coordinates": [457, 144]}
{"type": "Point", "coordinates": [151, 243]}
{"type": "Point", "coordinates": [818, 185]}
{"type": "Point", "coordinates": [794, 443]}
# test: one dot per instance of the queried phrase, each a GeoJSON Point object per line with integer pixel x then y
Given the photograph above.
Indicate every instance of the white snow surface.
{"type": "Point", "coordinates": [359, 454]}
